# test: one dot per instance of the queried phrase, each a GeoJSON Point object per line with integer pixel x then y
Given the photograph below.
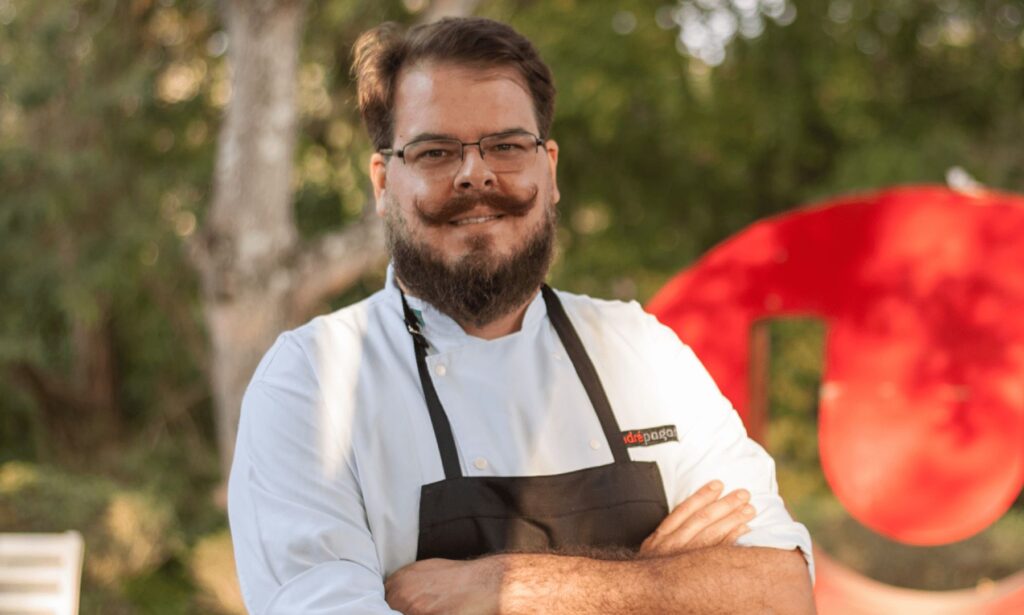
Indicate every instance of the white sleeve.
{"type": "Point", "coordinates": [715, 445]}
{"type": "Point", "coordinates": [296, 511]}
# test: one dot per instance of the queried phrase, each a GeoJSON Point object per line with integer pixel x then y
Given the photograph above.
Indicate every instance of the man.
{"type": "Point", "coordinates": [468, 440]}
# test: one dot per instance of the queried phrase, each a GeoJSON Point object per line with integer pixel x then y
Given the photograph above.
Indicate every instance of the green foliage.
{"type": "Point", "coordinates": [795, 372]}
{"type": "Point", "coordinates": [106, 152]}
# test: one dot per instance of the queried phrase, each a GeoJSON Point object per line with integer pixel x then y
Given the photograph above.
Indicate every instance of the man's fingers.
{"type": "Point", "coordinates": [712, 513]}
{"type": "Point", "coordinates": [697, 500]}
{"type": "Point", "coordinates": [723, 531]}
{"type": "Point", "coordinates": [700, 498]}
{"type": "Point", "coordinates": [705, 518]}
{"type": "Point", "coordinates": [693, 517]}
{"type": "Point", "coordinates": [735, 534]}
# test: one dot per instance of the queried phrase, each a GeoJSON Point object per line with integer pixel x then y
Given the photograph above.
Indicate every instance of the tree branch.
{"type": "Point", "coordinates": [50, 391]}
{"type": "Point", "coordinates": [334, 262]}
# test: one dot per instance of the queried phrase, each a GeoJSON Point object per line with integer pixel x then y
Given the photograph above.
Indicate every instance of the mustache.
{"type": "Point", "coordinates": [460, 204]}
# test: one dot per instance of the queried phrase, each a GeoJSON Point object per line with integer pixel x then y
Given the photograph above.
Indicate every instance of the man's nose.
{"type": "Point", "coordinates": [473, 173]}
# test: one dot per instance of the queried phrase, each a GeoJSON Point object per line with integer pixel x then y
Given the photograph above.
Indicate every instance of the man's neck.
{"type": "Point", "coordinates": [509, 323]}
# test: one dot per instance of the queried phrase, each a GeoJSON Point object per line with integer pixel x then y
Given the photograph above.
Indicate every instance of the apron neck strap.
{"type": "Point", "coordinates": [439, 420]}
{"type": "Point", "coordinates": [587, 373]}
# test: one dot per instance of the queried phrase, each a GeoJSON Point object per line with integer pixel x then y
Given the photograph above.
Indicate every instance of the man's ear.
{"type": "Point", "coordinates": [378, 177]}
{"type": "Point", "coordinates": [551, 148]}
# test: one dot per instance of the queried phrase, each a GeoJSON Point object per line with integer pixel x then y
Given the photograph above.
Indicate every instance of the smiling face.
{"type": "Point", "coordinates": [464, 103]}
{"type": "Point", "coordinates": [472, 223]}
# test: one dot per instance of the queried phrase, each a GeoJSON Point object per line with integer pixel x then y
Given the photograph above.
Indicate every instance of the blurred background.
{"type": "Point", "coordinates": [127, 287]}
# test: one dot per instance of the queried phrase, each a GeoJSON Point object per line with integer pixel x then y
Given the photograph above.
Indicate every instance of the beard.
{"type": "Point", "coordinates": [480, 286]}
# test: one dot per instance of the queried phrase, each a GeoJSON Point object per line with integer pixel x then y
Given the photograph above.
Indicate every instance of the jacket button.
{"type": "Point", "coordinates": [480, 463]}
{"type": "Point", "coordinates": [440, 369]}
{"type": "Point", "coordinates": [595, 444]}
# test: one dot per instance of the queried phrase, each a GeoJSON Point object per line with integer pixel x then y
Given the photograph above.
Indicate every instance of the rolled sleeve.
{"type": "Point", "coordinates": [298, 524]}
{"type": "Point", "coordinates": [716, 446]}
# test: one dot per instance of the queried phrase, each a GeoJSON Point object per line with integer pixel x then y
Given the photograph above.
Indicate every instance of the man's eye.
{"type": "Point", "coordinates": [435, 153]}
{"type": "Point", "coordinates": [506, 147]}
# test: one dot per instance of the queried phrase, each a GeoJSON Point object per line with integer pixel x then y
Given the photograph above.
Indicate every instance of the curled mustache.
{"type": "Point", "coordinates": [458, 205]}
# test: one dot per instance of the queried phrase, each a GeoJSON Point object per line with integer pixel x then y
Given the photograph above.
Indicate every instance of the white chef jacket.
{"type": "Point", "coordinates": [335, 440]}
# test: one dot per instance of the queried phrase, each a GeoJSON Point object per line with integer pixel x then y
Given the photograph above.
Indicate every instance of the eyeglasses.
{"type": "Point", "coordinates": [507, 152]}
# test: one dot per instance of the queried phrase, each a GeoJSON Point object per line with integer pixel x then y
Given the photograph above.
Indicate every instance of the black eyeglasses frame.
{"type": "Point", "coordinates": [387, 151]}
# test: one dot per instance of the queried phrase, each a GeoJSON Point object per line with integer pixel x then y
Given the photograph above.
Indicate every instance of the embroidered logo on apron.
{"type": "Point", "coordinates": [649, 436]}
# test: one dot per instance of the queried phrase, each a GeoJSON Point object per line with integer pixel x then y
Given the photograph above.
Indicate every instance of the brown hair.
{"type": "Point", "coordinates": [381, 53]}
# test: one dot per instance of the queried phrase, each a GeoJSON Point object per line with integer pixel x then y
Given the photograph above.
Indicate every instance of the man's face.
{"type": "Point", "coordinates": [470, 223]}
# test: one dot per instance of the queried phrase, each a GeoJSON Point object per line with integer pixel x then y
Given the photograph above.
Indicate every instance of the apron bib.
{"type": "Point", "coordinates": [615, 505]}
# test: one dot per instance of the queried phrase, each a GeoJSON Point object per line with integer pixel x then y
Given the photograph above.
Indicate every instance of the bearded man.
{"type": "Point", "coordinates": [468, 440]}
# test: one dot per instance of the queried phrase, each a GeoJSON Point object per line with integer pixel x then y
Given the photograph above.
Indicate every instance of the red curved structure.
{"type": "Point", "coordinates": [921, 415]}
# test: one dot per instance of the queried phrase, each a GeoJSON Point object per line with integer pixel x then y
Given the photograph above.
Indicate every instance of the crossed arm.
{"type": "Point", "coordinates": [686, 566]}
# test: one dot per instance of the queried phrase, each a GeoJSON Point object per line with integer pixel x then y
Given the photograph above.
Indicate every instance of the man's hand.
{"type": "Point", "coordinates": [442, 586]}
{"type": "Point", "coordinates": [702, 520]}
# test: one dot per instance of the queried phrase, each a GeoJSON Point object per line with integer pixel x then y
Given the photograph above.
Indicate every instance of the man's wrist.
{"type": "Point", "coordinates": [531, 580]}
{"type": "Point", "coordinates": [527, 581]}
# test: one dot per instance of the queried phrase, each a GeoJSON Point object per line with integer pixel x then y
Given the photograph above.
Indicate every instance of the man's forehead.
{"type": "Point", "coordinates": [419, 73]}
{"type": "Point", "coordinates": [430, 91]}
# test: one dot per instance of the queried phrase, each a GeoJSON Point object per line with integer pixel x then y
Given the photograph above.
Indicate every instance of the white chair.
{"type": "Point", "coordinates": [40, 573]}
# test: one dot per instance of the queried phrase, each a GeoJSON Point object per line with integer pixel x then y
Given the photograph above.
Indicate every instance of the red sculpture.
{"type": "Point", "coordinates": [921, 415]}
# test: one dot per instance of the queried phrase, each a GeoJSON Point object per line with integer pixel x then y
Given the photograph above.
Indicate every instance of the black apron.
{"type": "Point", "coordinates": [614, 506]}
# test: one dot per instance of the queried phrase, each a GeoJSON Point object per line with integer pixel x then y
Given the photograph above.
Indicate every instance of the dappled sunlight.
{"type": "Point", "coordinates": [181, 81]}
{"type": "Point", "coordinates": [331, 425]}
{"type": "Point", "coordinates": [706, 27]}
{"type": "Point", "coordinates": [213, 568]}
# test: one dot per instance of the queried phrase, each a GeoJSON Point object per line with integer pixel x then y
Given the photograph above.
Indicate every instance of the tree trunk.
{"type": "Point", "coordinates": [250, 235]}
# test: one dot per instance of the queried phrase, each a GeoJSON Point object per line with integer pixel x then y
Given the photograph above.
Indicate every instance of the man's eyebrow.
{"type": "Point", "coordinates": [514, 130]}
{"type": "Point", "coordinates": [429, 136]}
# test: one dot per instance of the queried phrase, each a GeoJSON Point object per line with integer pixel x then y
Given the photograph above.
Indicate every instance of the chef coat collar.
{"type": "Point", "coordinates": [442, 331]}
